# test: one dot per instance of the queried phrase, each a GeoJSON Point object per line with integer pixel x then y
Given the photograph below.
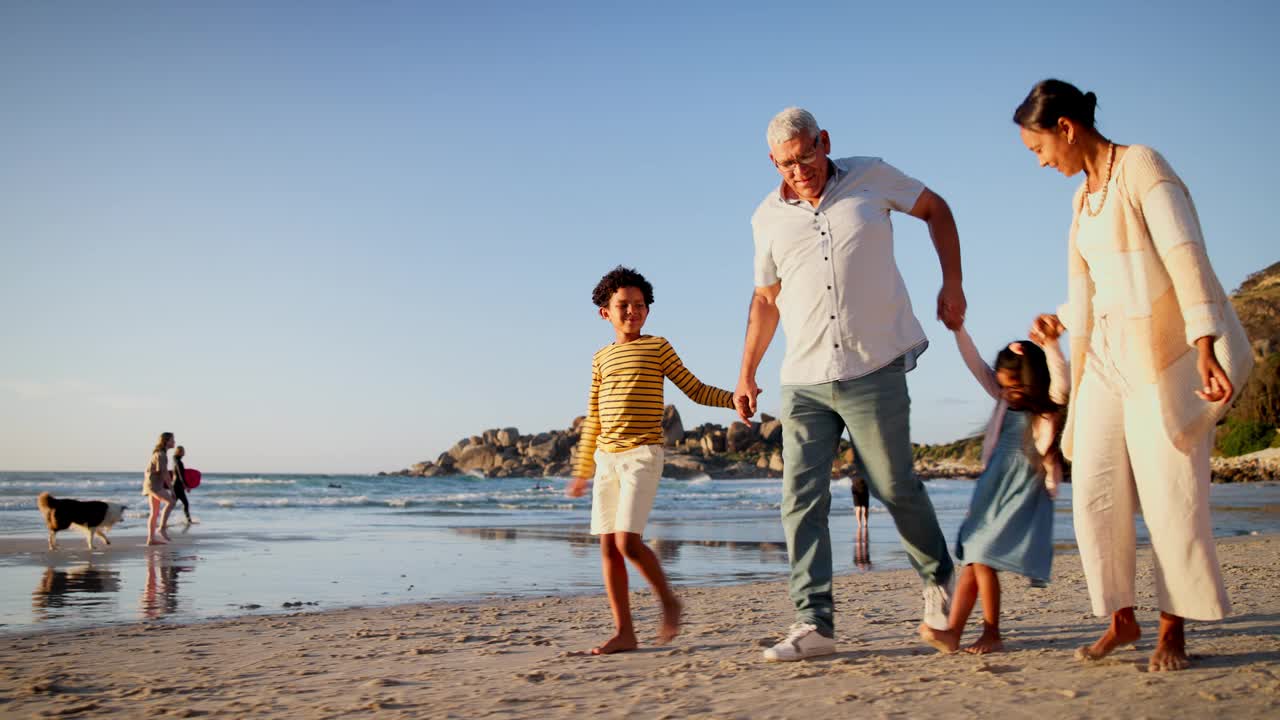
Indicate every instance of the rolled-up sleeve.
{"type": "Point", "coordinates": [900, 189]}
{"type": "Point", "coordinates": [1175, 232]}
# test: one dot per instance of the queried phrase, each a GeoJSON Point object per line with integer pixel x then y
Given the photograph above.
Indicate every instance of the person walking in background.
{"type": "Point", "coordinates": [180, 482]}
{"type": "Point", "coordinates": [621, 447]}
{"type": "Point", "coordinates": [157, 486]}
{"type": "Point", "coordinates": [1156, 354]}
{"type": "Point", "coordinates": [1009, 526]}
{"type": "Point", "coordinates": [825, 270]}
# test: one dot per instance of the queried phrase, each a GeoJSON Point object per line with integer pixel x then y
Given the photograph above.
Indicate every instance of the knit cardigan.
{"type": "Point", "coordinates": [1173, 297]}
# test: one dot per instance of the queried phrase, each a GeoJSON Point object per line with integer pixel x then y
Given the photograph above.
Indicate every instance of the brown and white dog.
{"type": "Point", "coordinates": [94, 517]}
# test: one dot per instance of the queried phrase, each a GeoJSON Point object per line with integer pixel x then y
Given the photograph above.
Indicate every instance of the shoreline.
{"type": "Point", "coordinates": [525, 657]}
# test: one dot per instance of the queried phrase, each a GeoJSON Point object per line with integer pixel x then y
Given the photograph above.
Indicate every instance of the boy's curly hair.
{"type": "Point", "coordinates": [616, 279]}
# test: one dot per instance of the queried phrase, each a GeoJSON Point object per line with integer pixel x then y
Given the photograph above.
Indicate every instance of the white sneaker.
{"type": "Point", "coordinates": [803, 641]}
{"type": "Point", "coordinates": [937, 607]}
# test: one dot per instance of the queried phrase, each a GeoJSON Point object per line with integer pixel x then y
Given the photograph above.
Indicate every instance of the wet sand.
{"type": "Point", "coordinates": [526, 658]}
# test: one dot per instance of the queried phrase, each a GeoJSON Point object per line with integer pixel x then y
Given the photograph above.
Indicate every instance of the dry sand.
{"type": "Point", "coordinates": [524, 658]}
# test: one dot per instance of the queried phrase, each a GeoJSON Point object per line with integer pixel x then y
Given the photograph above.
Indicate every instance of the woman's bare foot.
{"type": "Point", "coordinates": [989, 642]}
{"type": "Point", "coordinates": [1171, 646]}
{"type": "Point", "coordinates": [1124, 630]}
{"type": "Point", "coordinates": [153, 540]}
{"type": "Point", "coordinates": [621, 642]}
{"type": "Point", "coordinates": [670, 627]}
{"type": "Point", "coordinates": [944, 641]}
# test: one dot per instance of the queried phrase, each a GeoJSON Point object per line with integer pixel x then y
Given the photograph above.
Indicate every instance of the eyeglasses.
{"type": "Point", "coordinates": [787, 166]}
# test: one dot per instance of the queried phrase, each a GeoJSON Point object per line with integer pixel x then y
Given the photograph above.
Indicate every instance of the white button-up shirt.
{"type": "Point", "coordinates": [843, 305]}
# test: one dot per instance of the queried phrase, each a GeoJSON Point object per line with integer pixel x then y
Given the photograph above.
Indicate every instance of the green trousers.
{"type": "Point", "coordinates": [876, 408]}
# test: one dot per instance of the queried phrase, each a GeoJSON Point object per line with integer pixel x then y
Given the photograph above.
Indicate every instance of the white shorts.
{"type": "Point", "coordinates": [624, 488]}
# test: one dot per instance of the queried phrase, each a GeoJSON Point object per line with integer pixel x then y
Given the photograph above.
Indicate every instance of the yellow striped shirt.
{"type": "Point", "coordinates": [625, 409]}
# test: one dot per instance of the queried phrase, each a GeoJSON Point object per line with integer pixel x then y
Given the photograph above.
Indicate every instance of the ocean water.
{"type": "Point", "coordinates": [279, 543]}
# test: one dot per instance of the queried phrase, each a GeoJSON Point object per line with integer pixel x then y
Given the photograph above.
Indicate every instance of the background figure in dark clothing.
{"type": "Point", "coordinates": [179, 482]}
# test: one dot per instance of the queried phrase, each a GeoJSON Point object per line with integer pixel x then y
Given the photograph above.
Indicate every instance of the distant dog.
{"type": "Point", "coordinates": [94, 517]}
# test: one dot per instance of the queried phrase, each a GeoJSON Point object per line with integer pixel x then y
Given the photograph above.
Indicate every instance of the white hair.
{"type": "Point", "coordinates": [789, 123]}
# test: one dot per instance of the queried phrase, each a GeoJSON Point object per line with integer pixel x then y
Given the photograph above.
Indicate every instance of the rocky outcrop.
{"type": "Point", "coordinates": [1260, 466]}
{"type": "Point", "coordinates": [742, 450]}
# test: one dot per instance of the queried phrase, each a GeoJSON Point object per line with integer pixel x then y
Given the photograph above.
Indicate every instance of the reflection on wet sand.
{"type": "Point", "coordinates": [160, 590]}
{"type": "Point", "coordinates": [668, 549]}
{"type": "Point", "coordinates": [88, 590]}
{"type": "Point", "coordinates": [62, 592]}
{"type": "Point", "coordinates": [862, 547]}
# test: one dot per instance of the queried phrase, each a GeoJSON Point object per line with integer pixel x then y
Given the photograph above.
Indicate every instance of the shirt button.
{"type": "Point", "coordinates": [833, 317]}
{"type": "Point", "coordinates": [837, 344]}
{"type": "Point", "coordinates": [826, 258]}
{"type": "Point", "coordinates": [824, 232]}
{"type": "Point", "coordinates": [815, 213]}
{"type": "Point", "coordinates": [828, 287]}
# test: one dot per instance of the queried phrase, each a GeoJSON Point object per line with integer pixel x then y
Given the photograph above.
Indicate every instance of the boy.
{"type": "Point", "coordinates": [621, 447]}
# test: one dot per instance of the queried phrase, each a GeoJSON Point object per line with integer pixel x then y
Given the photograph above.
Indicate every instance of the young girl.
{"type": "Point", "coordinates": [156, 484]}
{"type": "Point", "coordinates": [1010, 522]}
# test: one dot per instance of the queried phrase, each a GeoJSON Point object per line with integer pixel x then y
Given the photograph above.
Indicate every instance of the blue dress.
{"type": "Point", "coordinates": [1010, 522]}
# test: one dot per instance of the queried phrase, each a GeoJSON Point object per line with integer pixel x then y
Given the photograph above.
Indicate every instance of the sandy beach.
{"type": "Point", "coordinates": [525, 658]}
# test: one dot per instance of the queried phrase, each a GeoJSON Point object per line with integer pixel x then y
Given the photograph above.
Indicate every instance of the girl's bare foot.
{"type": "Point", "coordinates": [670, 627]}
{"type": "Point", "coordinates": [621, 642]}
{"type": "Point", "coordinates": [1124, 630]}
{"type": "Point", "coordinates": [1171, 646]}
{"type": "Point", "coordinates": [944, 641]}
{"type": "Point", "coordinates": [989, 642]}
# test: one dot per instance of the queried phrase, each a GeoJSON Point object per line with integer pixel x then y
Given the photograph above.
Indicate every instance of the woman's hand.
{"type": "Point", "coordinates": [1046, 328]}
{"type": "Point", "coordinates": [576, 487]}
{"type": "Point", "coordinates": [1216, 386]}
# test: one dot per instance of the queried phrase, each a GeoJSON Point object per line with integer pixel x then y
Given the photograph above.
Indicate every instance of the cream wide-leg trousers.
{"type": "Point", "coordinates": [1125, 462]}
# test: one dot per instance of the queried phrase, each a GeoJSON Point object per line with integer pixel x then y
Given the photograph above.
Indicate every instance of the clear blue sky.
{"type": "Point", "coordinates": [339, 236]}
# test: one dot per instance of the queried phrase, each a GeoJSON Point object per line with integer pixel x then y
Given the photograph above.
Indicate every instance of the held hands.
{"type": "Point", "coordinates": [1217, 388]}
{"type": "Point", "coordinates": [1046, 329]}
{"type": "Point", "coordinates": [952, 305]}
{"type": "Point", "coordinates": [744, 398]}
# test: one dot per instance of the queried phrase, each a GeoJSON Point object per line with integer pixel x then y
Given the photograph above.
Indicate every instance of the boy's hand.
{"type": "Point", "coordinates": [1046, 329]}
{"type": "Point", "coordinates": [576, 487]}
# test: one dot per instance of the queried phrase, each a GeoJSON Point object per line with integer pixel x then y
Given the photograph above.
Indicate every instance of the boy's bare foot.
{"type": "Point", "coordinates": [621, 642]}
{"type": "Point", "coordinates": [670, 626]}
{"type": "Point", "coordinates": [1124, 630]}
{"type": "Point", "coordinates": [944, 641]}
{"type": "Point", "coordinates": [989, 642]}
{"type": "Point", "coordinates": [1171, 646]}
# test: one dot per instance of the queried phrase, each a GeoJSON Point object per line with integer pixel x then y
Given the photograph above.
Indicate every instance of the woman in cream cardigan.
{"type": "Point", "coordinates": [1156, 353]}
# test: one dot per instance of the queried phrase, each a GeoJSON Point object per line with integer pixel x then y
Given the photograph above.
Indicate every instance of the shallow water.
{"type": "Point", "coordinates": [335, 541]}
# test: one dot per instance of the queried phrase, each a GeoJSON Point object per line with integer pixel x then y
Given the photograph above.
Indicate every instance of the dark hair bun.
{"type": "Point", "coordinates": [1052, 99]}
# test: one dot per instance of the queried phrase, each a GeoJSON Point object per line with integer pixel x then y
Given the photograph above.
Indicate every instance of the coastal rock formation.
{"type": "Point", "coordinates": [741, 450]}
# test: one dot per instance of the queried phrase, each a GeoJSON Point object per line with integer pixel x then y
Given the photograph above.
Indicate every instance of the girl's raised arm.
{"type": "Point", "coordinates": [985, 376]}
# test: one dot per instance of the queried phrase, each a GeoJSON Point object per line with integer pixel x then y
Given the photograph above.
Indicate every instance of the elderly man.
{"type": "Point", "coordinates": [824, 266]}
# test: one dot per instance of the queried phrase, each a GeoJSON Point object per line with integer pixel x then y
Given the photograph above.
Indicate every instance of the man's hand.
{"type": "Point", "coordinates": [1045, 329]}
{"type": "Point", "coordinates": [576, 487]}
{"type": "Point", "coordinates": [1217, 387]}
{"type": "Point", "coordinates": [952, 305]}
{"type": "Point", "coordinates": [744, 398]}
